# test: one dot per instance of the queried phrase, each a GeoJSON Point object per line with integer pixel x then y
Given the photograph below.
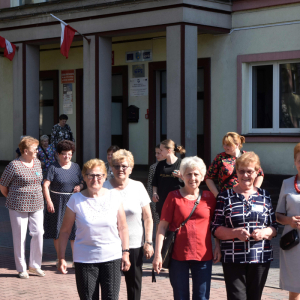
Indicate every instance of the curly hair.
{"type": "Point", "coordinates": [65, 145]}
{"type": "Point", "coordinates": [27, 142]}
{"type": "Point", "coordinates": [122, 155]}
{"type": "Point", "coordinates": [193, 162]}
{"type": "Point", "coordinates": [93, 163]}
{"type": "Point", "coordinates": [246, 158]}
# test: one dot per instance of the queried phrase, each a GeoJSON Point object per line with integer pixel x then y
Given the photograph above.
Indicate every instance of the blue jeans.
{"type": "Point", "coordinates": [201, 276]}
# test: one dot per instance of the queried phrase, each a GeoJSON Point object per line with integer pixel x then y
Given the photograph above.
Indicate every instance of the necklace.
{"type": "Point", "coordinates": [296, 185]}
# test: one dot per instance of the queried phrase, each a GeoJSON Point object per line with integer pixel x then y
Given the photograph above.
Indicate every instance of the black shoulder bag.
{"type": "Point", "coordinates": [169, 240]}
{"type": "Point", "coordinates": [289, 240]}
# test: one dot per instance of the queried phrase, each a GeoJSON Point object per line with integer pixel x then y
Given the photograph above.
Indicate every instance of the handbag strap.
{"type": "Point", "coordinates": [195, 206]}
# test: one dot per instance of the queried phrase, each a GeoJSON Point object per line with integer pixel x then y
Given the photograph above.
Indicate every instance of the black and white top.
{"type": "Point", "coordinates": [234, 211]}
{"type": "Point", "coordinates": [60, 134]}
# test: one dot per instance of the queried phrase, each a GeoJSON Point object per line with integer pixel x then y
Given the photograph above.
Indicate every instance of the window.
{"type": "Point", "coordinates": [275, 95]}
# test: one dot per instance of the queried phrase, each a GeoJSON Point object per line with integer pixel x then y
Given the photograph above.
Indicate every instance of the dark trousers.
{"type": "Point", "coordinates": [133, 276]}
{"type": "Point", "coordinates": [245, 281]}
{"type": "Point", "coordinates": [90, 276]}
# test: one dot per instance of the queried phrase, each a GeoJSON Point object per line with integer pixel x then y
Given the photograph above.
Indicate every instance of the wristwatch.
{"type": "Point", "coordinates": [150, 243]}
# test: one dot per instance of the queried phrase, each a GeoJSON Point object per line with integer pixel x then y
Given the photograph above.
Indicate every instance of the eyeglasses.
{"type": "Point", "coordinates": [117, 167]}
{"type": "Point", "coordinates": [96, 176]}
{"type": "Point", "coordinates": [35, 149]}
{"type": "Point", "coordinates": [243, 172]}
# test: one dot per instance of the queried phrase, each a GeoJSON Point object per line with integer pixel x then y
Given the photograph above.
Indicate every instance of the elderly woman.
{"type": "Point", "coordinates": [149, 184]}
{"type": "Point", "coordinates": [21, 185]}
{"type": "Point", "coordinates": [110, 151]}
{"type": "Point", "coordinates": [245, 223]}
{"type": "Point", "coordinates": [223, 166]}
{"type": "Point", "coordinates": [46, 153]}
{"type": "Point", "coordinates": [62, 181]}
{"type": "Point", "coordinates": [288, 214]}
{"type": "Point", "coordinates": [61, 131]}
{"type": "Point", "coordinates": [137, 209]}
{"type": "Point", "coordinates": [101, 235]}
{"type": "Point", "coordinates": [167, 170]}
{"type": "Point", "coordinates": [193, 247]}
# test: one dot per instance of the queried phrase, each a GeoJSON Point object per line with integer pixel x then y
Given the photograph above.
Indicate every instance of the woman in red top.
{"type": "Point", "coordinates": [193, 247]}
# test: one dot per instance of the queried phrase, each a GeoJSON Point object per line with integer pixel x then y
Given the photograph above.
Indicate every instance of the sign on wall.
{"type": "Point", "coordinates": [138, 71]}
{"type": "Point", "coordinates": [67, 76]}
{"type": "Point", "coordinates": [142, 55]}
{"type": "Point", "coordinates": [68, 99]}
{"type": "Point", "coordinates": [138, 86]}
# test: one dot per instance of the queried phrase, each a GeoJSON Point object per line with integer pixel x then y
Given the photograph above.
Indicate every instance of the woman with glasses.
{"type": "Point", "coordinates": [20, 183]}
{"type": "Point", "coordinates": [244, 222]}
{"type": "Point", "coordinates": [63, 179]}
{"type": "Point", "coordinates": [137, 209]}
{"type": "Point", "coordinates": [102, 242]}
{"type": "Point", "coordinates": [223, 166]}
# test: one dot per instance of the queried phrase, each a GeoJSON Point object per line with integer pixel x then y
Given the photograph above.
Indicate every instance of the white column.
{"type": "Point", "coordinates": [105, 77]}
{"type": "Point", "coordinates": [89, 89]}
{"type": "Point", "coordinates": [190, 71]}
{"type": "Point", "coordinates": [32, 90]}
{"type": "Point", "coordinates": [18, 96]}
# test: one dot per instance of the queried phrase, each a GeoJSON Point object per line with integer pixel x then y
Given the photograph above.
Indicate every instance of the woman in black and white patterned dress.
{"type": "Point", "coordinates": [152, 169]}
{"type": "Point", "coordinates": [62, 180]}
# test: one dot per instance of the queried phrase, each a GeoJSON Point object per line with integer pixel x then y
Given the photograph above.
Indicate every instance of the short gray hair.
{"type": "Point", "coordinates": [193, 162]}
{"type": "Point", "coordinates": [44, 137]}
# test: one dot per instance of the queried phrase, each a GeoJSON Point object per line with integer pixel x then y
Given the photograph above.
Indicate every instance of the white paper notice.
{"type": "Point", "coordinates": [68, 99]}
{"type": "Point", "coordinates": [139, 87]}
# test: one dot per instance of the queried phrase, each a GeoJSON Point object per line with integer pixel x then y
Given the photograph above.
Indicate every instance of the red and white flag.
{"type": "Point", "coordinates": [9, 48]}
{"type": "Point", "coordinates": [67, 35]}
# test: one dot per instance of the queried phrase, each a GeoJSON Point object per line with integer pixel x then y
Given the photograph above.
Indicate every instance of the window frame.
{"type": "Point", "coordinates": [276, 99]}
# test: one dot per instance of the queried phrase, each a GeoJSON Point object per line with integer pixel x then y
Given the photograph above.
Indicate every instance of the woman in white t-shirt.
{"type": "Point", "coordinates": [136, 203]}
{"type": "Point", "coordinates": [101, 248]}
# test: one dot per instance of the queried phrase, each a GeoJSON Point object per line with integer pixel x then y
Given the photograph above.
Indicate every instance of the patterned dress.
{"type": "Point", "coordinates": [24, 186]}
{"type": "Point", "coordinates": [61, 188]}
{"type": "Point", "coordinates": [155, 215]}
{"type": "Point", "coordinates": [47, 157]}
{"type": "Point", "coordinates": [60, 134]}
{"type": "Point", "coordinates": [222, 168]}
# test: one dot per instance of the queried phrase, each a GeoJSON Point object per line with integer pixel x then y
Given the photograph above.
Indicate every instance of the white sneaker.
{"type": "Point", "coordinates": [23, 275]}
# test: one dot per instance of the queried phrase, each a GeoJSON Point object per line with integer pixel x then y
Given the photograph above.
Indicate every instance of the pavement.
{"type": "Point", "coordinates": [57, 286]}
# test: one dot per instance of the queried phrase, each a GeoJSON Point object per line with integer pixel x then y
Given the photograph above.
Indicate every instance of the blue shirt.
{"type": "Point", "coordinates": [234, 211]}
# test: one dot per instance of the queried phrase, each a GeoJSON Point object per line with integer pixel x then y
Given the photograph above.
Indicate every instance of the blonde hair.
{"type": "Point", "coordinates": [27, 142]}
{"type": "Point", "coordinates": [122, 155]}
{"type": "Point", "coordinates": [193, 162]}
{"type": "Point", "coordinates": [246, 158]}
{"type": "Point", "coordinates": [233, 138]}
{"type": "Point", "coordinates": [169, 144]}
{"type": "Point", "coordinates": [296, 150]}
{"type": "Point", "coordinates": [93, 163]}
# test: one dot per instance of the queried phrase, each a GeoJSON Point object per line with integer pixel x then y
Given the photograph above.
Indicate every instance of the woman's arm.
{"type": "Point", "coordinates": [64, 234]}
{"type": "Point", "coordinates": [281, 218]}
{"type": "Point", "coordinates": [217, 251]}
{"type": "Point", "coordinates": [148, 223]}
{"type": "Point", "coordinates": [224, 233]}
{"type": "Point", "coordinates": [258, 181]}
{"type": "Point", "coordinates": [155, 197]}
{"type": "Point", "coordinates": [124, 236]}
{"type": "Point", "coordinates": [212, 187]}
{"type": "Point", "coordinates": [157, 262]}
{"type": "Point", "coordinates": [4, 190]}
{"type": "Point", "coordinates": [50, 206]}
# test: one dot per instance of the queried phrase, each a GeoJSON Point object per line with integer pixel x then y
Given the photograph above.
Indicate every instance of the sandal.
{"type": "Point", "coordinates": [38, 272]}
{"type": "Point", "coordinates": [23, 275]}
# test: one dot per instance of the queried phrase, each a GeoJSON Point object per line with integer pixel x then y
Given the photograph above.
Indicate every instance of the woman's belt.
{"type": "Point", "coordinates": [61, 193]}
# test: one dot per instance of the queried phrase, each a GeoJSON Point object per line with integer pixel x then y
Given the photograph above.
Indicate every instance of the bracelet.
{"type": "Point", "coordinates": [126, 250]}
{"type": "Point", "coordinates": [150, 243]}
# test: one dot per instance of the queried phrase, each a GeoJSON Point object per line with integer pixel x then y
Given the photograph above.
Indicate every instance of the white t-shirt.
{"type": "Point", "coordinates": [134, 197]}
{"type": "Point", "coordinates": [97, 237]}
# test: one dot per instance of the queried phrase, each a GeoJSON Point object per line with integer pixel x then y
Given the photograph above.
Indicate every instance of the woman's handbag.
{"type": "Point", "coordinates": [169, 240]}
{"type": "Point", "coordinates": [289, 240]}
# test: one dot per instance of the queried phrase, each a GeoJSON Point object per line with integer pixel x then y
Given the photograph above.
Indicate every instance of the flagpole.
{"type": "Point", "coordinates": [89, 40]}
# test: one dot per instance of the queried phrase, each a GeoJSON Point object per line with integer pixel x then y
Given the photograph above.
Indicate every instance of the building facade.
{"type": "Point", "coordinates": [192, 69]}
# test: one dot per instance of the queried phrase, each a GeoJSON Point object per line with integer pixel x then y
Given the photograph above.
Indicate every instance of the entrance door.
{"type": "Point", "coordinates": [49, 100]}
{"type": "Point", "coordinates": [119, 104]}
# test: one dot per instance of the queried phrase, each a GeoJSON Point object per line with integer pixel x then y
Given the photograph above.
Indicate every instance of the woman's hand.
{"type": "Point", "coordinates": [157, 263]}
{"type": "Point", "coordinates": [76, 189]}
{"type": "Point", "coordinates": [258, 234]}
{"type": "Point", "coordinates": [242, 234]}
{"type": "Point", "coordinates": [50, 207]}
{"type": "Point", "coordinates": [125, 264]}
{"type": "Point", "coordinates": [176, 173]}
{"type": "Point", "coordinates": [62, 266]}
{"type": "Point", "coordinates": [155, 197]}
{"type": "Point", "coordinates": [295, 222]}
{"type": "Point", "coordinates": [148, 251]}
{"type": "Point", "coordinates": [217, 254]}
